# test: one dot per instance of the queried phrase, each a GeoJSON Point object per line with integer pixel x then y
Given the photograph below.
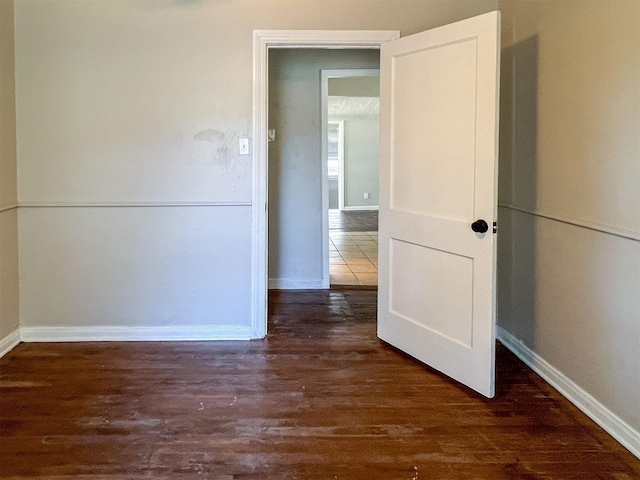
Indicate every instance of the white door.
{"type": "Point", "coordinates": [438, 169]}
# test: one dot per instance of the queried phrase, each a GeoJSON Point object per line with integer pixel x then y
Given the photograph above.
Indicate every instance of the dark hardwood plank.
{"type": "Point", "coordinates": [353, 220]}
{"type": "Point", "coordinates": [320, 398]}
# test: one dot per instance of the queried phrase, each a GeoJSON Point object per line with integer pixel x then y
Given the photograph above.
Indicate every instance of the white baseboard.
{"type": "Point", "coordinates": [297, 284]}
{"type": "Point", "coordinates": [9, 342]}
{"type": "Point", "coordinates": [600, 414]}
{"type": "Point", "coordinates": [134, 334]}
{"type": "Point", "coordinates": [362, 207]}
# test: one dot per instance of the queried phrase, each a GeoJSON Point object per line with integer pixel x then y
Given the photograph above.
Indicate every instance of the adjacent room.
{"type": "Point", "coordinates": [323, 167]}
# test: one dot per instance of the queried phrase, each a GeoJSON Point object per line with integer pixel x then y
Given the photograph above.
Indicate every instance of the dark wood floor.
{"type": "Point", "coordinates": [353, 220]}
{"type": "Point", "coordinates": [321, 398]}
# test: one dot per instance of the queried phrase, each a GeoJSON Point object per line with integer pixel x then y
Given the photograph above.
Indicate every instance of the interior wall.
{"type": "Point", "coordinates": [9, 313]}
{"type": "Point", "coordinates": [361, 160]}
{"type": "Point", "coordinates": [125, 103]}
{"type": "Point", "coordinates": [361, 134]}
{"type": "Point", "coordinates": [354, 86]}
{"type": "Point", "coordinates": [295, 160]}
{"type": "Point", "coordinates": [135, 267]}
{"type": "Point", "coordinates": [569, 250]}
{"type": "Point", "coordinates": [9, 292]}
{"type": "Point", "coordinates": [130, 107]}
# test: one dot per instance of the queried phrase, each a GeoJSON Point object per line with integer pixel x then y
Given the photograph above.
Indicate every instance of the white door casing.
{"type": "Point", "coordinates": [263, 40]}
{"type": "Point", "coordinates": [439, 94]}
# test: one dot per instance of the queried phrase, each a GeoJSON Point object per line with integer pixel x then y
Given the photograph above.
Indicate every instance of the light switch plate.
{"type": "Point", "coordinates": [244, 146]}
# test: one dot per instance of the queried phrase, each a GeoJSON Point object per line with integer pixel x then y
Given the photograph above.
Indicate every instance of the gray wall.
{"type": "Point", "coordinates": [569, 243]}
{"type": "Point", "coordinates": [295, 163]}
{"type": "Point", "coordinates": [361, 162]}
{"type": "Point", "coordinates": [121, 104]}
{"type": "Point", "coordinates": [361, 134]}
{"type": "Point", "coordinates": [9, 318]}
{"type": "Point", "coordinates": [125, 106]}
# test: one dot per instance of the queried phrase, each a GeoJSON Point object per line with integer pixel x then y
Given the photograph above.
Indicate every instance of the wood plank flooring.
{"type": "Point", "coordinates": [353, 220]}
{"type": "Point", "coordinates": [320, 398]}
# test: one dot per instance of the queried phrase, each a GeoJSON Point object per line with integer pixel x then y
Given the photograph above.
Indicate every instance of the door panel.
{"type": "Point", "coordinates": [438, 171]}
{"type": "Point", "coordinates": [424, 301]}
{"type": "Point", "coordinates": [431, 75]}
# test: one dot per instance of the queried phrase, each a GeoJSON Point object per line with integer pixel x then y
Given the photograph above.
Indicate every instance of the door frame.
{"type": "Point", "coordinates": [325, 75]}
{"type": "Point", "coordinates": [325, 145]}
{"type": "Point", "coordinates": [263, 40]}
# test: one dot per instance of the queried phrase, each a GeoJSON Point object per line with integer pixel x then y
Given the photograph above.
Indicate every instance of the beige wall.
{"type": "Point", "coordinates": [112, 96]}
{"type": "Point", "coordinates": [8, 183]}
{"type": "Point", "coordinates": [569, 267]}
{"type": "Point", "coordinates": [9, 300]}
{"type": "Point", "coordinates": [8, 196]}
{"type": "Point", "coordinates": [132, 102]}
{"type": "Point", "coordinates": [354, 87]}
{"type": "Point", "coordinates": [125, 103]}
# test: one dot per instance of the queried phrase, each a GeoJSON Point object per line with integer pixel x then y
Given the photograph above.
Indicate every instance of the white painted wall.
{"type": "Point", "coordinates": [9, 314]}
{"type": "Point", "coordinates": [295, 161]}
{"type": "Point", "coordinates": [141, 102]}
{"type": "Point", "coordinates": [569, 272]}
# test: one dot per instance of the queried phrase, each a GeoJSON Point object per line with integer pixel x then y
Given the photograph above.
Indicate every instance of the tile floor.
{"type": "Point", "coordinates": [353, 258]}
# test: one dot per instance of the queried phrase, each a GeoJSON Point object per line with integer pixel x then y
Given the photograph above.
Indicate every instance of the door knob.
{"type": "Point", "coordinates": [480, 226]}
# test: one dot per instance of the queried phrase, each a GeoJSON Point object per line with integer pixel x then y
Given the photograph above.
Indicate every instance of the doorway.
{"type": "Point", "coordinates": [298, 193]}
{"type": "Point", "coordinates": [427, 75]}
{"type": "Point", "coordinates": [263, 42]}
{"type": "Point", "coordinates": [350, 109]}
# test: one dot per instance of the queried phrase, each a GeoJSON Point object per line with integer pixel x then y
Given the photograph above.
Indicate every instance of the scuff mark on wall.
{"type": "Point", "coordinates": [214, 153]}
{"type": "Point", "coordinates": [209, 135]}
{"type": "Point", "coordinates": [222, 153]}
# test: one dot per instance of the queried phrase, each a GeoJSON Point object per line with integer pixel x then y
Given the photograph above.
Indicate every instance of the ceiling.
{"type": "Point", "coordinates": [349, 108]}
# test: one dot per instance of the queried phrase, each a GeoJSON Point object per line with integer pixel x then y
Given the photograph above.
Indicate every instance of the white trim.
{"type": "Point", "coordinates": [341, 168]}
{"type": "Point", "coordinates": [597, 227]}
{"type": "Point", "coordinates": [324, 131]}
{"type": "Point", "coordinates": [9, 342]}
{"type": "Point", "coordinates": [600, 414]}
{"type": "Point", "coordinates": [159, 203]}
{"type": "Point", "coordinates": [125, 334]}
{"type": "Point", "coordinates": [262, 41]}
{"type": "Point", "coordinates": [324, 175]}
{"type": "Point", "coordinates": [298, 284]}
{"type": "Point", "coordinates": [323, 38]}
{"type": "Point", "coordinates": [361, 207]}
